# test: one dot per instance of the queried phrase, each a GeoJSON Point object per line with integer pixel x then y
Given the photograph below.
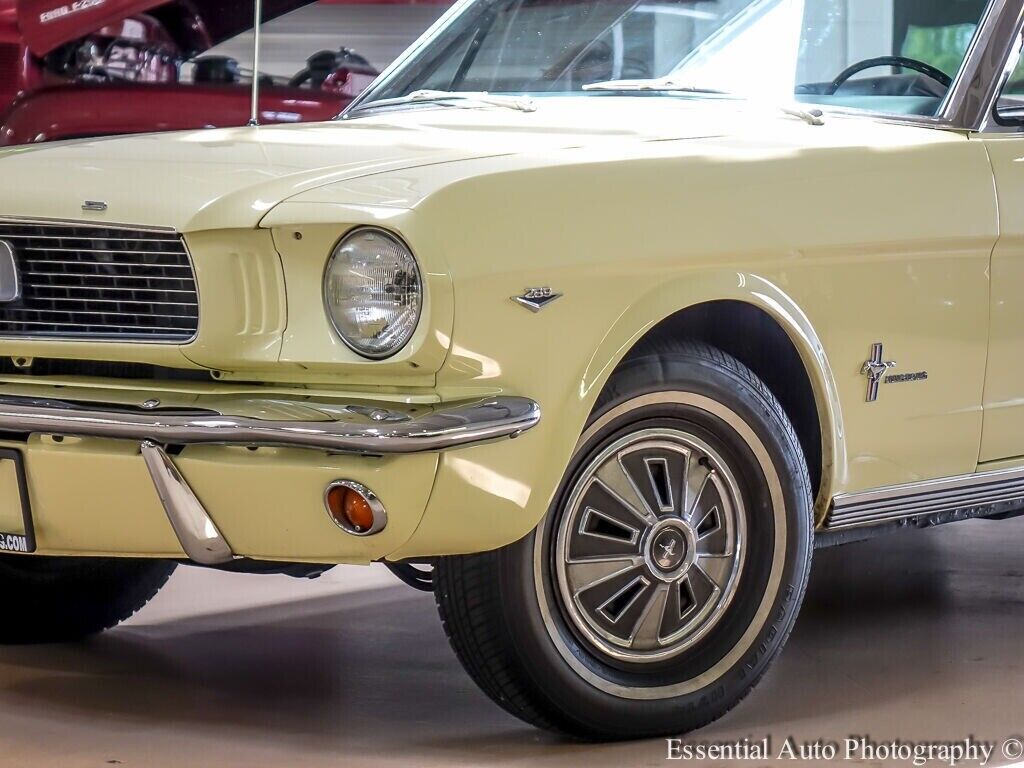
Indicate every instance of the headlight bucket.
{"type": "Point", "coordinates": [373, 292]}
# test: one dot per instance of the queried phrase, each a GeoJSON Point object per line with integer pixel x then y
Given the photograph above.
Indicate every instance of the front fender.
{"type": "Point", "coordinates": [749, 288]}
{"type": "Point", "coordinates": [489, 496]}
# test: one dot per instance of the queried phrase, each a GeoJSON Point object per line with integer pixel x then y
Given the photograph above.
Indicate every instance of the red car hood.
{"type": "Point", "coordinates": [47, 24]}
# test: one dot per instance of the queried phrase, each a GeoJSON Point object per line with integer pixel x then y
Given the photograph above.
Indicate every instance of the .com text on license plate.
{"type": "Point", "coordinates": [16, 533]}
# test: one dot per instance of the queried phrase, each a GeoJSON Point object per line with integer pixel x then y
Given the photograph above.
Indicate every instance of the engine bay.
{"type": "Point", "coordinates": [138, 50]}
{"type": "Point", "coordinates": [141, 50]}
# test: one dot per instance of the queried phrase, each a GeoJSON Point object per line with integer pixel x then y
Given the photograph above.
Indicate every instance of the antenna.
{"type": "Point", "coordinates": [254, 118]}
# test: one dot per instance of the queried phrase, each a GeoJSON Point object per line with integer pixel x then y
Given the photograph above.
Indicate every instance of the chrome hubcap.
{"type": "Point", "coordinates": [650, 549]}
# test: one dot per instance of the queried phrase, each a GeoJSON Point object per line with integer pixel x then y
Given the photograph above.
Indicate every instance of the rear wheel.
{"type": "Point", "coordinates": [58, 599]}
{"type": "Point", "coordinates": [669, 570]}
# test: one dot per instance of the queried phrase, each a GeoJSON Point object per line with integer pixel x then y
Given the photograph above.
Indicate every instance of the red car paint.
{"type": "Point", "coordinates": [38, 104]}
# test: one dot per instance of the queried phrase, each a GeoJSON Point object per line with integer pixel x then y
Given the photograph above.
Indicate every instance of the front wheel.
{"type": "Point", "coordinates": [667, 574]}
{"type": "Point", "coordinates": [60, 599]}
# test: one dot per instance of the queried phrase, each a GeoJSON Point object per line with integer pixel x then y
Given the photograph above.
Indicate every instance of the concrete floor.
{"type": "Point", "coordinates": [917, 636]}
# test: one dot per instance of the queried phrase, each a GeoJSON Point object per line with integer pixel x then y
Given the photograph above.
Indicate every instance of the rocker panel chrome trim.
{"type": "Point", "coordinates": [929, 497]}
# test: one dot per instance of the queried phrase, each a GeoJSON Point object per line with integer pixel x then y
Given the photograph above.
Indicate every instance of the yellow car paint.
{"type": "Point", "coordinates": [855, 232]}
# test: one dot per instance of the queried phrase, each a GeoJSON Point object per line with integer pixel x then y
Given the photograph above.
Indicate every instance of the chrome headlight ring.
{"type": "Point", "coordinates": [373, 292]}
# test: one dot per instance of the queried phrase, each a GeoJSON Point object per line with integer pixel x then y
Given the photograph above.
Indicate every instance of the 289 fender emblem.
{"type": "Point", "coordinates": [535, 299]}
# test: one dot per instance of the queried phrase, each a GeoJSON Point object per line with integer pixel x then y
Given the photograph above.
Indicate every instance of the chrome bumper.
{"type": "Point", "coordinates": [337, 428]}
{"type": "Point", "coordinates": [321, 425]}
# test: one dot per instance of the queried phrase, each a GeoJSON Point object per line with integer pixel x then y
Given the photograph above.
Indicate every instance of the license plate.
{"type": "Point", "coordinates": [16, 531]}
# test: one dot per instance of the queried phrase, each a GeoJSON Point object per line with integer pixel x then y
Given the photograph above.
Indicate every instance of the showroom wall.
{"type": "Point", "coordinates": [378, 31]}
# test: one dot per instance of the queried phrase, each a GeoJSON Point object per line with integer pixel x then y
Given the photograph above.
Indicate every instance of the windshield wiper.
{"type": "Point", "coordinates": [465, 99]}
{"type": "Point", "coordinates": [809, 116]}
{"type": "Point", "coordinates": [670, 85]}
{"type": "Point", "coordinates": [666, 84]}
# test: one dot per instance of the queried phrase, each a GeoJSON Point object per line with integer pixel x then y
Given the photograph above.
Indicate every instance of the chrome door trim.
{"type": "Point", "coordinates": [981, 77]}
{"type": "Point", "coordinates": [925, 498]}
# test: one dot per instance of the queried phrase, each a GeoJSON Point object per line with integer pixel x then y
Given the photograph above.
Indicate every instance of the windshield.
{"type": "Point", "coordinates": [892, 56]}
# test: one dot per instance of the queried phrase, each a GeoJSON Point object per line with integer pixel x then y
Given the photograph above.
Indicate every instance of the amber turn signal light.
{"type": "Point", "coordinates": [354, 508]}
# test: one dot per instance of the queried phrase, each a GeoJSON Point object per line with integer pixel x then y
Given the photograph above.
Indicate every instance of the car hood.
{"type": "Point", "coordinates": [232, 177]}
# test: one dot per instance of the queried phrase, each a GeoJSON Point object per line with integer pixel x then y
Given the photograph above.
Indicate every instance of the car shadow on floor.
{"type": "Point", "coordinates": [370, 674]}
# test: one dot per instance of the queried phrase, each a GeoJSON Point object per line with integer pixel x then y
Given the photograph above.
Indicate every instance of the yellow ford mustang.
{"type": "Point", "coordinates": [593, 316]}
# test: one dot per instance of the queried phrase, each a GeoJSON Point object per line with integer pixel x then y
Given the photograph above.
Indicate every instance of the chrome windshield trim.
{"type": "Point", "coordinates": [976, 88]}
{"type": "Point", "coordinates": [359, 430]}
{"type": "Point", "coordinates": [413, 50]}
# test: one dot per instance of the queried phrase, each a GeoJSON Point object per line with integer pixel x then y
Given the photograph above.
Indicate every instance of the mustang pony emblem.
{"type": "Point", "coordinates": [875, 368]}
{"type": "Point", "coordinates": [668, 550]}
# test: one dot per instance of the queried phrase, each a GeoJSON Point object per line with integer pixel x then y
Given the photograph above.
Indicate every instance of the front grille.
{"type": "Point", "coordinates": [99, 283]}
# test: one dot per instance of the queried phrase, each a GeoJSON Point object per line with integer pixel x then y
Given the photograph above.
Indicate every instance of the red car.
{"type": "Point", "coordinates": [81, 68]}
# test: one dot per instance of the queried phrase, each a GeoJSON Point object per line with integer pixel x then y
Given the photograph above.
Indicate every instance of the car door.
{"type": "Point", "coordinates": [1003, 430]}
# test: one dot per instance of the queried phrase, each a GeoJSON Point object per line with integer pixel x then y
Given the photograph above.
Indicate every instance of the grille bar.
{"type": "Point", "coordinates": [100, 313]}
{"type": "Point", "coordinates": [84, 281]}
{"type": "Point", "coordinates": [129, 301]}
{"type": "Point", "coordinates": [104, 276]}
{"type": "Point", "coordinates": [105, 289]}
{"type": "Point", "coordinates": [121, 251]}
{"type": "Point", "coordinates": [86, 327]}
{"type": "Point", "coordinates": [105, 239]}
{"type": "Point", "coordinates": [80, 262]}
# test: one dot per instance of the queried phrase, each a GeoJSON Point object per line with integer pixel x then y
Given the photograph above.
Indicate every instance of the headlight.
{"type": "Point", "coordinates": [373, 292]}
